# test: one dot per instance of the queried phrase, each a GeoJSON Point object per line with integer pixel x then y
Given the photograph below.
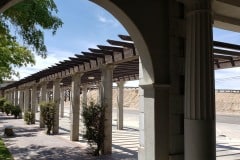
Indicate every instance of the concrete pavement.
{"type": "Point", "coordinates": [32, 143]}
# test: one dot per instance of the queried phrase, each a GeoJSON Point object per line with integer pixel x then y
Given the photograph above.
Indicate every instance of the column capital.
{"type": "Point", "coordinates": [57, 80]}
{"type": "Point", "coordinates": [41, 83]}
{"type": "Point", "coordinates": [77, 74]}
{"type": "Point", "coordinates": [121, 83]}
{"type": "Point", "coordinates": [107, 66]}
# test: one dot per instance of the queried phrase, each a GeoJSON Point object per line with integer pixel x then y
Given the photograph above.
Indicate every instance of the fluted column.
{"type": "Point", "coordinates": [56, 99]}
{"type": "Point", "coordinates": [74, 126]}
{"type": "Point", "coordinates": [106, 101]}
{"type": "Point", "coordinates": [120, 85]}
{"type": "Point", "coordinates": [43, 99]}
{"type": "Point", "coordinates": [199, 125]}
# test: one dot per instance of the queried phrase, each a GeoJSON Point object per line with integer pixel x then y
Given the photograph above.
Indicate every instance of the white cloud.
{"type": "Point", "coordinates": [54, 56]}
{"type": "Point", "coordinates": [108, 20]}
{"type": "Point", "coordinates": [227, 78]}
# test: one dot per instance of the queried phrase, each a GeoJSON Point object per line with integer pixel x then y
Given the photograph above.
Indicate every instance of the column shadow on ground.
{"type": "Point", "coordinates": [45, 153]}
{"type": "Point", "coordinates": [221, 147]}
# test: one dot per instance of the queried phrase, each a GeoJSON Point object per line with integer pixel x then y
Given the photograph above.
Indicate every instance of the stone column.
{"type": "Point", "coordinates": [74, 126]}
{"type": "Point", "coordinates": [26, 100]}
{"type": "Point", "coordinates": [62, 102]}
{"type": "Point", "coordinates": [16, 97]}
{"type": "Point", "coordinates": [43, 99]}
{"type": "Point", "coordinates": [106, 101]}
{"type": "Point", "coordinates": [200, 138]}
{"type": "Point", "coordinates": [12, 96]}
{"type": "Point", "coordinates": [141, 155]}
{"type": "Point", "coordinates": [84, 94]}
{"type": "Point", "coordinates": [34, 100]}
{"type": "Point", "coordinates": [99, 89]}
{"type": "Point", "coordinates": [7, 95]}
{"type": "Point", "coordinates": [84, 103]}
{"type": "Point", "coordinates": [56, 99]}
{"type": "Point", "coordinates": [70, 104]}
{"type": "Point", "coordinates": [21, 99]}
{"type": "Point", "coordinates": [120, 85]}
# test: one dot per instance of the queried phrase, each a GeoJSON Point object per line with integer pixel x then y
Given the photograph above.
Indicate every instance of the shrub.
{"type": "Point", "coordinates": [2, 101]}
{"type": "Point", "coordinates": [93, 119]}
{"type": "Point", "coordinates": [29, 117]}
{"type": "Point", "coordinates": [7, 107]}
{"type": "Point", "coordinates": [16, 110]}
{"type": "Point", "coordinates": [47, 112]}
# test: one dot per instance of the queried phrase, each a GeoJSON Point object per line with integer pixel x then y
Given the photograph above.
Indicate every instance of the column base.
{"type": "Point", "coordinates": [200, 139]}
{"type": "Point", "coordinates": [141, 153]}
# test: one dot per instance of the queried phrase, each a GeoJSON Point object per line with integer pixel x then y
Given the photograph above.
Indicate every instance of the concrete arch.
{"type": "Point", "coordinates": [136, 35]}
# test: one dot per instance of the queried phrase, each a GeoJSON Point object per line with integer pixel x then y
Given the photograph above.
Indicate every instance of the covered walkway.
{"type": "Point", "coordinates": [31, 142]}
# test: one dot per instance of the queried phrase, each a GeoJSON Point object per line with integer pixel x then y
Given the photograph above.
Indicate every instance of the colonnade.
{"type": "Point", "coordinates": [26, 97]}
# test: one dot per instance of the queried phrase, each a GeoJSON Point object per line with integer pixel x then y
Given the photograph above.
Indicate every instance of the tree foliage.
{"type": "Point", "coordinates": [27, 20]}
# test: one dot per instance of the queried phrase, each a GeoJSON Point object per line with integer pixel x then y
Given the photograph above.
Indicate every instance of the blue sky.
{"type": "Point", "coordinates": [227, 78]}
{"type": "Point", "coordinates": [87, 25]}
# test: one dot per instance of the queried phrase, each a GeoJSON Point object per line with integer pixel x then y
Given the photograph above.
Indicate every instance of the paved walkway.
{"type": "Point", "coordinates": [31, 143]}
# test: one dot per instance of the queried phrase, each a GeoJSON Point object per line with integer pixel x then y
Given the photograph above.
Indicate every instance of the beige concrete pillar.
{"type": "Point", "coordinates": [99, 89]}
{"type": "Point", "coordinates": [7, 95]}
{"type": "Point", "coordinates": [43, 99]}
{"type": "Point", "coordinates": [62, 101]}
{"type": "Point", "coordinates": [74, 126]}
{"type": "Point", "coordinates": [106, 101]}
{"type": "Point", "coordinates": [26, 99]}
{"type": "Point", "coordinates": [84, 103]}
{"type": "Point", "coordinates": [56, 99]}
{"type": "Point", "coordinates": [120, 85]}
{"type": "Point", "coordinates": [34, 100]}
{"type": "Point", "coordinates": [16, 97]}
{"type": "Point", "coordinates": [21, 99]}
{"type": "Point", "coordinates": [12, 96]}
{"type": "Point", "coordinates": [84, 94]}
{"type": "Point", "coordinates": [70, 104]}
{"type": "Point", "coordinates": [200, 138]}
{"type": "Point", "coordinates": [141, 155]}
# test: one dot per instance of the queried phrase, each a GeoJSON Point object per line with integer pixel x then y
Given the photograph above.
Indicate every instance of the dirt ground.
{"type": "Point", "coordinates": [226, 103]}
{"type": "Point", "coordinates": [131, 97]}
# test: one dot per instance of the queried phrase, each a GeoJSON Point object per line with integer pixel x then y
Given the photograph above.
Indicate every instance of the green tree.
{"type": "Point", "coordinates": [27, 20]}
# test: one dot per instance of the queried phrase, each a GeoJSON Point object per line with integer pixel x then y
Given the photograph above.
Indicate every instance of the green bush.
{"type": "Point", "coordinates": [2, 101]}
{"type": "Point", "coordinates": [47, 110]}
{"type": "Point", "coordinates": [93, 119]}
{"type": "Point", "coordinates": [29, 117]}
{"type": "Point", "coordinates": [7, 107]}
{"type": "Point", "coordinates": [16, 111]}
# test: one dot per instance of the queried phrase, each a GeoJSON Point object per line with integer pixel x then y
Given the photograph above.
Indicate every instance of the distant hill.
{"type": "Point", "coordinates": [226, 103]}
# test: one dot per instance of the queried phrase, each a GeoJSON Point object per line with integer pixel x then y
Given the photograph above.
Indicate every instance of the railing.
{"type": "Point", "coordinates": [227, 91]}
